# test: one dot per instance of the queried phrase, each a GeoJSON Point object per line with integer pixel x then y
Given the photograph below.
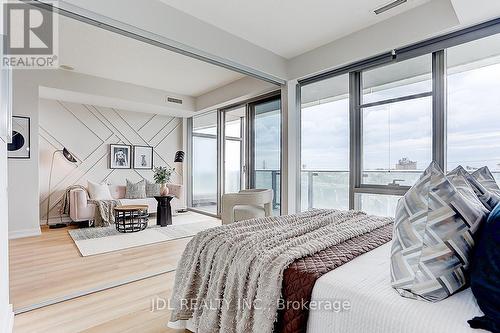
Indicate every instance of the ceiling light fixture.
{"type": "Point", "coordinates": [388, 6]}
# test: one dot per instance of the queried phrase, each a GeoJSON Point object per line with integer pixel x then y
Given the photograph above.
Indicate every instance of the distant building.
{"type": "Point", "coordinates": [406, 164]}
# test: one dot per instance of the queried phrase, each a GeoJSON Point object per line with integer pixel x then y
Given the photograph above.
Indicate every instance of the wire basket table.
{"type": "Point", "coordinates": [132, 218]}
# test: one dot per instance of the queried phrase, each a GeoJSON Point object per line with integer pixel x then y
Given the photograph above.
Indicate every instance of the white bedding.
{"type": "Point", "coordinates": [376, 307]}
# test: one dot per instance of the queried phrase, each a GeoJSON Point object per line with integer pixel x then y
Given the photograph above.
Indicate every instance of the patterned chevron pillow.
{"type": "Point", "coordinates": [433, 235]}
{"type": "Point", "coordinates": [486, 188]}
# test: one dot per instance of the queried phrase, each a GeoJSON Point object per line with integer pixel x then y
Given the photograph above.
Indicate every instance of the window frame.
{"type": "Point", "coordinates": [438, 94]}
{"type": "Point", "coordinates": [437, 48]}
{"type": "Point", "coordinates": [246, 136]}
{"type": "Point", "coordinates": [190, 142]}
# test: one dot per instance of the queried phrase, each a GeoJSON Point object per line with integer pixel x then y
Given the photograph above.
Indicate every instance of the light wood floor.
{"type": "Point", "coordinates": [122, 309]}
{"type": "Point", "coordinates": [49, 266]}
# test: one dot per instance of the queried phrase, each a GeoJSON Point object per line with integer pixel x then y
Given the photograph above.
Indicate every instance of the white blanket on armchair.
{"type": "Point", "coordinates": [224, 269]}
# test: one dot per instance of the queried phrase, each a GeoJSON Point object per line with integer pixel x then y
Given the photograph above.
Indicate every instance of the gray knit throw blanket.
{"type": "Point", "coordinates": [105, 212]}
{"type": "Point", "coordinates": [224, 270]}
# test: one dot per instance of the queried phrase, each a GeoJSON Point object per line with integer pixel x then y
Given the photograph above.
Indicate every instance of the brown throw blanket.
{"type": "Point", "coordinates": [299, 278]}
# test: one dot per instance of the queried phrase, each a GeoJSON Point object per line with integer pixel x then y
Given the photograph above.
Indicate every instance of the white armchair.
{"type": "Point", "coordinates": [247, 204]}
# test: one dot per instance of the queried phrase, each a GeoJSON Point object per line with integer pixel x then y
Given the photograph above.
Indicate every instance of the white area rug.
{"type": "Point", "coordinates": [92, 241]}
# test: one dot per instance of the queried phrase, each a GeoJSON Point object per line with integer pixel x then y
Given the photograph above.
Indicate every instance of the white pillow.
{"type": "Point", "coordinates": [99, 191]}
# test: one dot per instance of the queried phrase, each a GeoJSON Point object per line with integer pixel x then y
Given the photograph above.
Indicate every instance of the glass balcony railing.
{"type": "Point", "coordinates": [270, 179]}
{"type": "Point", "coordinates": [330, 189]}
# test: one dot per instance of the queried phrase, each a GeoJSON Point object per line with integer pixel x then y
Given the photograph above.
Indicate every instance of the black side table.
{"type": "Point", "coordinates": [164, 210]}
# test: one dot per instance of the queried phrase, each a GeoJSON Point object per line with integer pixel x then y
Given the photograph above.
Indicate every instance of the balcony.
{"type": "Point", "coordinates": [330, 189]}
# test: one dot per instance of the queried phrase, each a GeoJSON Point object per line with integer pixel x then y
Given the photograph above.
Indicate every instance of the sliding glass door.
{"type": "Point", "coordinates": [204, 163]}
{"type": "Point", "coordinates": [235, 148]}
{"type": "Point", "coordinates": [234, 154]}
{"type": "Point", "coordinates": [265, 147]}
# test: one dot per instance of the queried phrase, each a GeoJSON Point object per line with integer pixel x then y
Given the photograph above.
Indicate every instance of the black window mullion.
{"type": "Point", "coordinates": [439, 107]}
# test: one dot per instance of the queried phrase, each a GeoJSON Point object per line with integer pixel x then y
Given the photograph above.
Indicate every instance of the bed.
{"type": "Point", "coordinates": [290, 258]}
{"type": "Point", "coordinates": [376, 307]}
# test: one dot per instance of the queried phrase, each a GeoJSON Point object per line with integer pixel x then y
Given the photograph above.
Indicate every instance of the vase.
{"type": "Point", "coordinates": [163, 190]}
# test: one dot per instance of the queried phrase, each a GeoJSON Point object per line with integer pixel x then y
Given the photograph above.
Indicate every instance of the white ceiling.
{"type": "Point", "coordinates": [94, 51]}
{"type": "Point", "coordinates": [289, 27]}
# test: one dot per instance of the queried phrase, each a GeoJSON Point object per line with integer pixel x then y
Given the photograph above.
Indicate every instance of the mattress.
{"type": "Point", "coordinates": [357, 297]}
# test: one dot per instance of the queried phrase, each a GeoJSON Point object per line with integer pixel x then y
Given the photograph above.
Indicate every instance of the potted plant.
{"type": "Point", "coordinates": [162, 175]}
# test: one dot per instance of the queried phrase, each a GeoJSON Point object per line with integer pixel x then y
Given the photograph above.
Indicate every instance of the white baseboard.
{"type": "Point", "coordinates": [7, 320]}
{"type": "Point", "coordinates": [24, 233]}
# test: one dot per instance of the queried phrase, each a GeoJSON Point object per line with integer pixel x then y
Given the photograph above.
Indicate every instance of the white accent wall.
{"type": "Point", "coordinates": [87, 131]}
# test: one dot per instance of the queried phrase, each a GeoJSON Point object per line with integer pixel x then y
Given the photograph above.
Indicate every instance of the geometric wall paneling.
{"type": "Point", "coordinates": [99, 126]}
{"type": "Point", "coordinates": [93, 168]}
{"type": "Point", "coordinates": [154, 127]}
{"type": "Point", "coordinates": [67, 129]}
{"type": "Point", "coordinates": [62, 169]}
{"type": "Point", "coordinates": [81, 112]}
{"type": "Point", "coordinates": [119, 125]}
{"type": "Point", "coordinates": [173, 136]}
{"type": "Point", "coordinates": [164, 132]}
{"type": "Point", "coordinates": [135, 119]}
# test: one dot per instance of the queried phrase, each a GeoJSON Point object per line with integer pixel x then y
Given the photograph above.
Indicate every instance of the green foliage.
{"type": "Point", "coordinates": [162, 175]}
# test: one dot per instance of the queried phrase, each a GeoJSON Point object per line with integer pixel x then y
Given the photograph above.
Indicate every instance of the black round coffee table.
{"type": "Point", "coordinates": [164, 210]}
{"type": "Point", "coordinates": [132, 218]}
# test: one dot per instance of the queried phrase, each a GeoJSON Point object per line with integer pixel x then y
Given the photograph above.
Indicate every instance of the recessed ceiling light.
{"type": "Point", "coordinates": [388, 6]}
{"type": "Point", "coordinates": [66, 67]}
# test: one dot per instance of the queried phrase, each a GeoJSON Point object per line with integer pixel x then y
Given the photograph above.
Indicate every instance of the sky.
{"type": "Point", "coordinates": [394, 131]}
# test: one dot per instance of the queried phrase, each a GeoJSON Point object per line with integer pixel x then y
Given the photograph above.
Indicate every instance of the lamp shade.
{"type": "Point", "coordinates": [179, 156]}
{"type": "Point", "coordinates": [68, 156]}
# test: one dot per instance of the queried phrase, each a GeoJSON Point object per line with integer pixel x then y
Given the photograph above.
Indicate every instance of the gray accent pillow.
{"type": "Point", "coordinates": [485, 186]}
{"type": "Point", "coordinates": [152, 189]}
{"type": "Point", "coordinates": [135, 190]}
{"type": "Point", "coordinates": [433, 235]}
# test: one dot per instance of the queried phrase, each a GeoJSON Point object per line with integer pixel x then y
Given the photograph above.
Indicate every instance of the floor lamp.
{"type": "Point", "coordinates": [70, 158]}
{"type": "Point", "coordinates": [179, 159]}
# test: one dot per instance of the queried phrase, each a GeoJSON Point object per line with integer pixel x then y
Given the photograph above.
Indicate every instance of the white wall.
{"type": "Point", "coordinates": [27, 86]}
{"type": "Point", "coordinates": [23, 173]}
{"type": "Point", "coordinates": [87, 131]}
{"type": "Point", "coordinates": [6, 314]}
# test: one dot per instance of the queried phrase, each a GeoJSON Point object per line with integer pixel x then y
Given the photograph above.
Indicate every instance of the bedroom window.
{"type": "Point", "coordinates": [204, 163]}
{"type": "Point", "coordinates": [473, 105]}
{"type": "Point", "coordinates": [325, 144]}
{"type": "Point", "coordinates": [396, 116]}
{"type": "Point", "coordinates": [436, 101]}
